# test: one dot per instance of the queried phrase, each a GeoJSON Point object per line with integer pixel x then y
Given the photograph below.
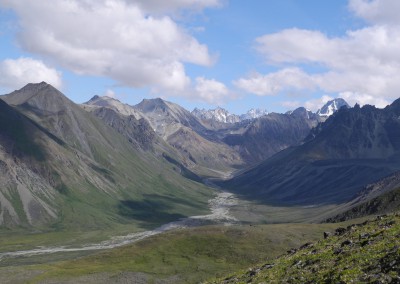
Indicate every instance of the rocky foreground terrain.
{"type": "Point", "coordinates": [360, 253]}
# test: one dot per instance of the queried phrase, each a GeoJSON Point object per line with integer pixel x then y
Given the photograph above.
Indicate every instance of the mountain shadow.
{"type": "Point", "coordinates": [153, 210]}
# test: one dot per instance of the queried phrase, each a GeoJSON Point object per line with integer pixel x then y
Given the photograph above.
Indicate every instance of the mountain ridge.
{"type": "Point", "coordinates": [223, 116]}
{"type": "Point", "coordinates": [351, 148]}
{"type": "Point", "coordinates": [89, 175]}
{"type": "Point", "coordinates": [253, 139]}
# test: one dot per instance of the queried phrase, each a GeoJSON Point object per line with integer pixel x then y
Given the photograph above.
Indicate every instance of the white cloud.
{"type": "Point", "coordinates": [293, 45]}
{"type": "Point", "coordinates": [110, 93]}
{"type": "Point", "coordinates": [211, 91]}
{"type": "Point", "coordinates": [371, 48]}
{"type": "Point", "coordinates": [113, 38]}
{"type": "Point", "coordinates": [313, 104]}
{"type": "Point", "coordinates": [363, 61]}
{"type": "Point", "coordinates": [316, 104]}
{"type": "Point", "coordinates": [363, 99]}
{"type": "Point", "coordinates": [273, 83]}
{"type": "Point", "coordinates": [15, 73]}
{"type": "Point", "coordinates": [173, 5]}
{"type": "Point", "coordinates": [377, 11]}
{"type": "Point", "coordinates": [291, 105]}
{"type": "Point", "coordinates": [349, 97]}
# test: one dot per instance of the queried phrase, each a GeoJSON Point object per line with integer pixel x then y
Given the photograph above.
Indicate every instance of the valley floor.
{"type": "Point", "coordinates": [189, 250]}
{"type": "Point", "coordinates": [220, 214]}
{"type": "Point", "coordinates": [179, 256]}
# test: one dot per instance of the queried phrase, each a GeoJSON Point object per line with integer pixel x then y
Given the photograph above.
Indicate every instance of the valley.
{"type": "Point", "coordinates": [220, 215]}
{"type": "Point", "coordinates": [186, 255]}
{"type": "Point", "coordinates": [105, 191]}
{"type": "Point", "coordinates": [199, 141]}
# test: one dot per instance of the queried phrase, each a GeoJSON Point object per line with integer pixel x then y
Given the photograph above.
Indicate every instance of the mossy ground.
{"type": "Point", "coordinates": [361, 253]}
{"type": "Point", "coordinates": [185, 256]}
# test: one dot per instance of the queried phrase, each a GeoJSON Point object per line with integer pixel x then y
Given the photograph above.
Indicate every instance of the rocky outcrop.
{"type": "Point", "coordinates": [138, 131]}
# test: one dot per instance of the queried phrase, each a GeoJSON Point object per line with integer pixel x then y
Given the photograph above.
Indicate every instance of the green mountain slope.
{"type": "Point", "coordinates": [91, 176]}
{"type": "Point", "coordinates": [363, 253]}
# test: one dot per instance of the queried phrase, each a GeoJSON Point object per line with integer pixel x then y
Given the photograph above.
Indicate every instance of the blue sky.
{"type": "Point", "coordinates": [272, 54]}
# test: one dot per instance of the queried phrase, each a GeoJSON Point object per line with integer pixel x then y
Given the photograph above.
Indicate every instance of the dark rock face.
{"type": "Point", "coordinates": [272, 133]}
{"type": "Point", "coordinates": [365, 132]}
{"type": "Point", "coordinates": [138, 132]}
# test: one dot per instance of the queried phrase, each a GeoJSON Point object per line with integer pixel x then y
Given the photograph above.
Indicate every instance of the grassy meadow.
{"type": "Point", "coordinates": [180, 256]}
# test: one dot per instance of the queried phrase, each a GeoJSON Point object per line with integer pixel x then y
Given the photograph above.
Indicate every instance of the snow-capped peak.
{"type": "Point", "coordinates": [222, 115]}
{"type": "Point", "coordinates": [332, 106]}
{"type": "Point", "coordinates": [219, 114]}
{"type": "Point", "coordinates": [253, 113]}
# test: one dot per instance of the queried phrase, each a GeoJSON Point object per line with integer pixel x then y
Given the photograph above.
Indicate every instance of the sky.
{"type": "Point", "coordinates": [271, 54]}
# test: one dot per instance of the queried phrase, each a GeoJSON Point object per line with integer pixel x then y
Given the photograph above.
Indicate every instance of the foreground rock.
{"type": "Point", "coordinates": [362, 253]}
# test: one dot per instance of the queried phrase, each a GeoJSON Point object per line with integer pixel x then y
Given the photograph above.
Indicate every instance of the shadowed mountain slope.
{"type": "Point", "coordinates": [269, 134]}
{"type": "Point", "coordinates": [381, 197]}
{"type": "Point", "coordinates": [354, 147]}
{"type": "Point", "coordinates": [26, 196]}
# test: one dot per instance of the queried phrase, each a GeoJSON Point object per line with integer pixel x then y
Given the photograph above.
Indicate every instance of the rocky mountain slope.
{"type": "Point", "coordinates": [217, 115]}
{"type": "Point", "coordinates": [263, 137]}
{"type": "Point", "coordinates": [177, 132]}
{"type": "Point", "coordinates": [382, 204]}
{"type": "Point", "coordinates": [137, 131]}
{"type": "Point", "coordinates": [361, 253]}
{"type": "Point", "coordinates": [253, 113]}
{"type": "Point", "coordinates": [353, 148]}
{"type": "Point", "coordinates": [61, 166]}
{"type": "Point", "coordinates": [26, 195]}
{"type": "Point", "coordinates": [114, 104]}
{"type": "Point", "coordinates": [380, 197]}
{"type": "Point", "coordinates": [195, 143]}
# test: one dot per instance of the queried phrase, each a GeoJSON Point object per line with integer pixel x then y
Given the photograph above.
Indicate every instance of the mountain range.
{"type": "Point", "coordinates": [224, 142]}
{"type": "Point", "coordinates": [222, 115]}
{"type": "Point", "coordinates": [151, 163]}
{"type": "Point", "coordinates": [352, 148]}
